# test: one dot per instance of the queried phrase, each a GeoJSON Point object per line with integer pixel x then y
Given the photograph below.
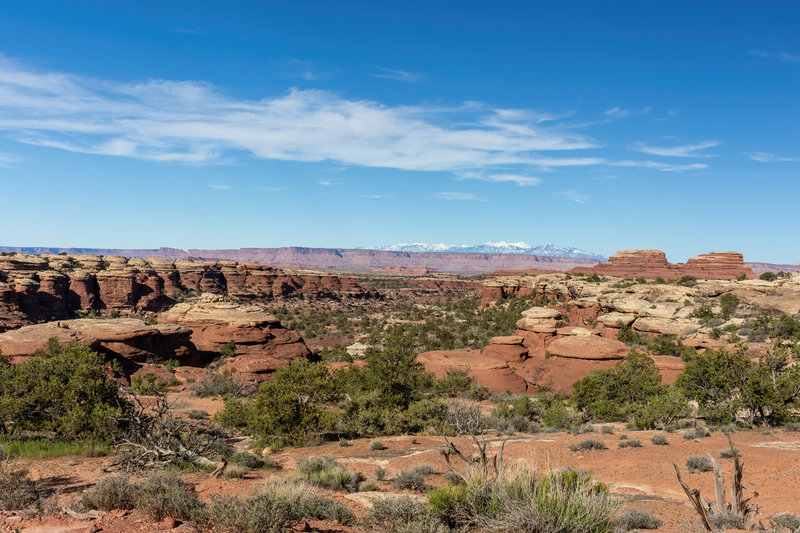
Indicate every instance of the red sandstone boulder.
{"type": "Point", "coordinates": [492, 373]}
{"type": "Point", "coordinates": [591, 347]}
{"type": "Point", "coordinates": [129, 338]}
{"type": "Point", "coordinates": [560, 373]}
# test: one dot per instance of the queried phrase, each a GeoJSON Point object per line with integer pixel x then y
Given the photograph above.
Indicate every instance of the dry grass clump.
{"type": "Point", "coordinates": [328, 473]}
{"type": "Point", "coordinates": [659, 440]}
{"type": "Point", "coordinates": [637, 519]}
{"type": "Point", "coordinates": [413, 479]}
{"type": "Point", "coordinates": [404, 515]}
{"type": "Point", "coordinates": [563, 501]}
{"type": "Point", "coordinates": [109, 494]}
{"type": "Point", "coordinates": [17, 491]}
{"type": "Point", "coordinates": [698, 463]}
{"type": "Point", "coordinates": [785, 522]}
{"type": "Point", "coordinates": [630, 443]}
{"type": "Point", "coordinates": [588, 444]}
{"type": "Point", "coordinates": [728, 453]}
{"type": "Point", "coordinates": [164, 494]}
{"type": "Point", "coordinates": [160, 495]}
{"type": "Point", "coordinates": [276, 509]}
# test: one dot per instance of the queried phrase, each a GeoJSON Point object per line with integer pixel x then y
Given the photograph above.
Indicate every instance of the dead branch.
{"type": "Point", "coordinates": [490, 466]}
{"type": "Point", "coordinates": [694, 499]}
{"type": "Point", "coordinates": [154, 437]}
{"type": "Point", "coordinates": [740, 506]}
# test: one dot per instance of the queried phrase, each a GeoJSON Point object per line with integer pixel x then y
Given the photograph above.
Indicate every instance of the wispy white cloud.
{"type": "Point", "coordinates": [616, 112]}
{"type": "Point", "coordinates": [191, 122]}
{"type": "Point", "coordinates": [220, 187]}
{"type": "Point", "coordinates": [645, 110]}
{"type": "Point", "coordinates": [664, 167]}
{"type": "Point", "coordinates": [764, 157]}
{"type": "Point", "coordinates": [327, 183]}
{"type": "Point", "coordinates": [501, 178]}
{"type": "Point", "coordinates": [464, 196]}
{"type": "Point", "coordinates": [399, 75]}
{"type": "Point", "coordinates": [688, 150]}
{"type": "Point", "coordinates": [783, 56]}
{"type": "Point", "coordinates": [574, 195]}
{"type": "Point", "coordinates": [9, 159]}
{"type": "Point", "coordinates": [375, 196]}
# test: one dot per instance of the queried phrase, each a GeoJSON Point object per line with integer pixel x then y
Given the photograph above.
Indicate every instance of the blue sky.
{"type": "Point", "coordinates": [601, 125]}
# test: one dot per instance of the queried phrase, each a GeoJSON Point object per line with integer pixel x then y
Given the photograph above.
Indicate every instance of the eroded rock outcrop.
{"type": "Point", "coordinates": [260, 344]}
{"type": "Point", "coordinates": [651, 264]}
{"type": "Point", "coordinates": [127, 338]}
{"type": "Point", "coordinates": [56, 286]}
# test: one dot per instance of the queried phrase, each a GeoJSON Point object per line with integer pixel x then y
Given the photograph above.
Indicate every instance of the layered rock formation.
{"type": "Point", "coordinates": [259, 343]}
{"type": "Point", "coordinates": [55, 286]}
{"type": "Point", "coordinates": [651, 264]}
{"type": "Point", "coordinates": [127, 338]}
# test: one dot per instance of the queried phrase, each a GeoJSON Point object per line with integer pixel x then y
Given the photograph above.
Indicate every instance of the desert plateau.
{"type": "Point", "coordinates": [399, 267]}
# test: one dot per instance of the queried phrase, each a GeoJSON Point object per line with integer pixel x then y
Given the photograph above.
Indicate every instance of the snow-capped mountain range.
{"type": "Point", "coordinates": [500, 247]}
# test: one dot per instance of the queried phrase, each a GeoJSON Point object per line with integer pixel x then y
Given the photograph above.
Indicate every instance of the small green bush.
{"type": "Point", "coordinates": [698, 463]}
{"type": "Point", "coordinates": [630, 443]}
{"type": "Point", "coordinates": [588, 444]}
{"type": "Point", "coordinates": [376, 445]}
{"type": "Point", "coordinates": [607, 430]}
{"type": "Point", "coordinates": [380, 473]}
{"type": "Point", "coordinates": [637, 519]}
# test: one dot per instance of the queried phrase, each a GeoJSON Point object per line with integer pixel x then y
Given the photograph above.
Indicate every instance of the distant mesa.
{"type": "Point", "coordinates": [353, 260]}
{"type": "Point", "coordinates": [651, 264]}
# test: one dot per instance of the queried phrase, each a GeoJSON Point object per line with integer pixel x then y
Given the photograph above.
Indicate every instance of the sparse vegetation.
{"type": "Point", "coordinates": [588, 444]}
{"type": "Point", "coordinates": [275, 509]}
{"type": "Point", "coordinates": [659, 440]}
{"type": "Point", "coordinates": [17, 491]}
{"type": "Point", "coordinates": [637, 519]}
{"type": "Point", "coordinates": [413, 479]}
{"type": "Point", "coordinates": [698, 463]}
{"type": "Point", "coordinates": [328, 473]}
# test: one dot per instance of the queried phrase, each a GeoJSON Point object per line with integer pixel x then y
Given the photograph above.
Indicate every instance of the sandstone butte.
{"type": "Point", "coordinates": [651, 264]}
{"type": "Point", "coordinates": [55, 286]}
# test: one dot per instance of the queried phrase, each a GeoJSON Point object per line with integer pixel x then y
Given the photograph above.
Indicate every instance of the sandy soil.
{"type": "Point", "coordinates": [642, 477]}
